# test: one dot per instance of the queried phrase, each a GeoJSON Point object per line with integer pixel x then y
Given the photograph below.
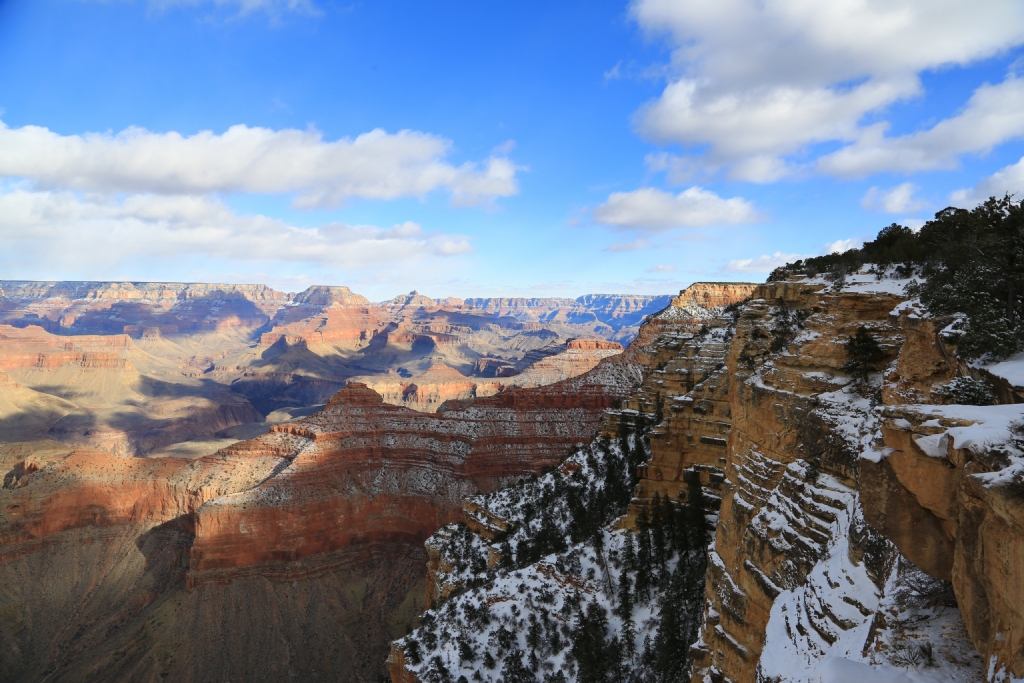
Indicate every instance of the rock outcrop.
{"type": "Point", "coordinates": [826, 505]}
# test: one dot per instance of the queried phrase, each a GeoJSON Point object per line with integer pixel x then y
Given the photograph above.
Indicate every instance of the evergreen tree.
{"type": "Point", "coordinates": [977, 269]}
{"type": "Point", "coordinates": [863, 355]}
{"type": "Point", "coordinates": [643, 555]}
{"type": "Point", "coordinates": [628, 554]}
{"type": "Point", "coordinates": [658, 531]}
{"type": "Point", "coordinates": [514, 671]}
{"type": "Point", "coordinates": [588, 644]}
{"type": "Point", "coordinates": [697, 526]}
{"type": "Point", "coordinates": [625, 610]}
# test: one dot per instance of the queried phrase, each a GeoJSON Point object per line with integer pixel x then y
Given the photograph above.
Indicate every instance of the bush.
{"type": "Point", "coordinates": [967, 391]}
{"type": "Point", "coordinates": [912, 654]}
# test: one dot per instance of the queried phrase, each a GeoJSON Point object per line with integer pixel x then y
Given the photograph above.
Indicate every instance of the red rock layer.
{"type": "Point", "coordinates": [47, 492]}
{"type": "Point", "coordinates": [366, 471]}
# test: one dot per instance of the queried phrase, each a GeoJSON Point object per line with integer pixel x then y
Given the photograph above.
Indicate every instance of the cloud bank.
{"type": "Point", "coordinates": [758, 83]}
{"type": "Point", "coordinates": [374, 165]}
{"type": "Point", "coordinates": [98, 234]}
{"type": "Point", "coordinates": [654, 210]}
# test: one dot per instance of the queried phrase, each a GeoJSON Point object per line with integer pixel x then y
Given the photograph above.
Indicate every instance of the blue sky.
{"type": "Point", "coordinates": [500, 148]}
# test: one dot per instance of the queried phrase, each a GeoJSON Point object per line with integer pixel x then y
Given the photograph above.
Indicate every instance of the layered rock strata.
{"type": "Point", "coordinates": [196, 564]}
{"type": "Point", "coordinates": [390, 473]}
{"type": "Point", "coordinates": [824, 500]}
{"type": "Point", "coordinates": [429, 390]}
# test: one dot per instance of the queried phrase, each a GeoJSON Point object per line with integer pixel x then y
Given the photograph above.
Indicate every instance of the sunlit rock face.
{"type": "Point", "coordinates": [836, 498]}
{"type": "Point", "coordinates": [199, 561]}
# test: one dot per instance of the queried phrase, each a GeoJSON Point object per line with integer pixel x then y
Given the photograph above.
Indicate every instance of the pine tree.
{"type": "Point", "coordinates": [515, 671]}
{"type": "Point", "coordinates": [658, 531]}
{"type": "Point", "coordinates": [643, 555]}
{"type": "Point", "coordinates": [625, 610]}
{"type": "Point", "coordinates": [588, 644]}
{"type": "Point", "coordinates": [628, 554]}
{"type": "Point", "coordinates": [863, 355]}
{"type": "Point", "coordinates": [697, 526]}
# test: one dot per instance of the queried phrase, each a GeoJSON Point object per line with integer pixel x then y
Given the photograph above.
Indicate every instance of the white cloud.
{"type": "Point", "coordinates": [96, 234]}
{"type": "Point", "coordinates": [992, 115]}
{"type": "Point", "coordinates": [840, 246]}
{"type": "Point", "coordinates": [762, 264]}
{"type": "Point", "coordinates": [655, 210]}
{"type": "Point", "coordinates": [758, 82]}
{"type": "Point", "coordinates": [899, 199]}
{"type": "Point", "coordinates": [375, 165]}
{"type": "Point", "coordinates": [662, 268]}
{"type": "Point", "coordinates": [1007, 179]}
{"type": "Point", "coordinates": [635, 245]}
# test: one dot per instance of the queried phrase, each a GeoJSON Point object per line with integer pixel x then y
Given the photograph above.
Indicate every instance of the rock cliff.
{"type": "Point", "coordinates": [861, 523]}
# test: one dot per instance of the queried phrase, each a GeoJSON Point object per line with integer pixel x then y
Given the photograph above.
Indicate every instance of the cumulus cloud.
{"type": "Point", "coordinates": [662, 268]}
{"type": "Point", "coordinates": [991, 116]}
{"type": "Point", "coordinates": [655, 210]}
{"type": "Point", "coordinates": [1007, 179]}
{"type": "Point", "coordinates": [761, 264]}
{"type": "Point", "coordinates": [98, 233]}
{"type": "Point", "coordinates": [756, 83]}
{"type": "Point", "coordinates": [899, 199]}
{"type": "Point", "coordinates": [840, 246]}
{"type": "Point", "coordinates": [374, 165]}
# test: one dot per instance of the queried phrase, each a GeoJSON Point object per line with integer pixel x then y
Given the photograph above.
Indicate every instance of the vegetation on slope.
{"type": "Point", "coordinates": [972, 266]}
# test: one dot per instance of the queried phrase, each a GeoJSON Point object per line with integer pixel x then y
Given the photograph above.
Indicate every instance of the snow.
{"type": "Point", "coordinates": [913, 307]}
{"type": "Point", "coordinates": [1012, 370]}
{"type": "Point", "coordinates": [991, 423]}
{"type": "Point", "coordinates": [864, 283]}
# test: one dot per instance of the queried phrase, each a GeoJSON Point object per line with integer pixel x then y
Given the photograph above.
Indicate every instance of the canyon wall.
{"type": "Point", "coordinates": [864, 527]}
{"type": "Point", "coordinates": [831, 495]}
{"type": "Point", "coordinates": [216, 566]}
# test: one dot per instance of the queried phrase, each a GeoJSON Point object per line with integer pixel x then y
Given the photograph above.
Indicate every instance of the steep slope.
{"type": "Point", "coordinates": [863, 527]}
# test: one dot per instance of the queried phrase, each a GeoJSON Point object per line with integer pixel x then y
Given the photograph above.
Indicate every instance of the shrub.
{"type": "Point", "coordinates": [967, 391]}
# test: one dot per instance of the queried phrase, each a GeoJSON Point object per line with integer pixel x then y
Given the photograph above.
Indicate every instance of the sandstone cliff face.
{"type": "Point", "coordinates": [713, 294]}
{"type": "Point", "coordinates": [825, 499]}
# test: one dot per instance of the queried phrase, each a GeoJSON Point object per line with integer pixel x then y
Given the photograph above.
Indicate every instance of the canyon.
{"type": "Point", "coordinates": [857, 527]}
{"type": "Point", "coordinates": [176, 368]}
{"type": "Point", "coordinates": [211, 555]}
